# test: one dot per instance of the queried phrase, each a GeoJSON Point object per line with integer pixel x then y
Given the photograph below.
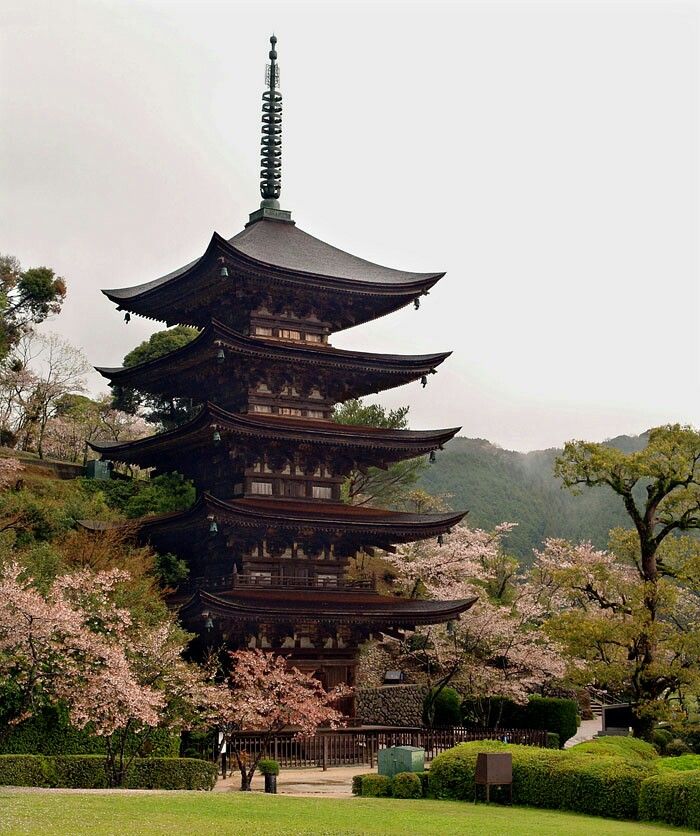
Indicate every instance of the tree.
{"type": "Point", "coordinates": [497, 648]}
{"type": "Point", "coordinates": [75, 645]}
{"type": "Point", "coordinates": [79, 420]}
{"type": "Point", "coordinates": [374, 485]}
{"type": "Point", "coordinates": [266, 695]}
{"type": "Point", "coordinates": [27, 297]}
{"type": "Point", "coordinates": [660, 489]}
{"type": "Point", "coordinates": [170, 412]}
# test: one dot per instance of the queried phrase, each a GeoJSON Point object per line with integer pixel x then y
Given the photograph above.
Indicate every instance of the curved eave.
{"type": "Point", "coordinates": [387, 526]}
{"type": "Point", "coordinates": [340, 608]}
{"type": "Point", "coordinates": [413, 284]}
{"type": "Point", "coordinates": [286, 352]}
{"type": "Point", "coordinates": [289, 429]}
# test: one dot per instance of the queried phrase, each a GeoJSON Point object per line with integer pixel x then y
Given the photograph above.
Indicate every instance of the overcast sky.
{"type": "Point", "coordinates": [544, 154]}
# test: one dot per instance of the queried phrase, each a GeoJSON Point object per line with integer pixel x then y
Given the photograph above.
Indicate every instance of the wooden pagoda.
{"type": "Point", "coordinates": [269, 538]}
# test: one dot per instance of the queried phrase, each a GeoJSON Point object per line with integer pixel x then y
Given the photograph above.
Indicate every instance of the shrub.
{"type": "Point", "coordinates": [605, 785]}
{"type": "Point", "coordinates": [268, 766]}
{"type": "Point", "coordinates": [688, 732]}
{"type": "Point", "coordinates": [50, 733]}
{"type": "Point", "coordinates": [677, 747]}
{"type": "Point", "coordinates": [171, 774]}
{"type": "Point", "coordinates": [672, 797]}
{"type": "Point", "coordinates": [375, 786]}
{"type": "Point", "coordinates": [23, 771]}
{"type": "Point", "coordinates": [406, 785]}
{"type": "Point", "coordinates": [553, 740]}
{"type": "Point", "coordinates": [88, 771]}
{"type": "Point", "coordinates": [78, 771]}
{"type": "Point", "coordinates": [446, 706]}
{"type": "Point", "coordinates": [424, 782]}
{"type": "Point", "coordinates": [553, 714]}
{"type": "Point", "coordinates": [681, 763]}
{"type": "Point", "coordinates": [661, 738]}
{"type": "Point", "coordinates": [357, 783]}
{"type": "Point", "coordinates": [631, 748]}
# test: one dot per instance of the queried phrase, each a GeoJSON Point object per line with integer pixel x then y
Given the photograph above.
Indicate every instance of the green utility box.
{"type": "Point", "coordinates": [397, 759]}
{"type": "Point", "coordinates": [97, 469]}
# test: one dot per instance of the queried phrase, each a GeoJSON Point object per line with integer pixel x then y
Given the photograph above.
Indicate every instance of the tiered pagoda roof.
{"type": "Point", "coordinates": [173, 450]}
{"type": "Point", "coordinates": [198, 369]}
{"type": "Point", "coordinates": [269, 539]}
{"type": "Point", "coordinates": [274, 256]}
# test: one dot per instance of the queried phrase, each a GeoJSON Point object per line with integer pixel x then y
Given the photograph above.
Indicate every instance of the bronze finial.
{"type": "Point", "coordinates": [271, 143]}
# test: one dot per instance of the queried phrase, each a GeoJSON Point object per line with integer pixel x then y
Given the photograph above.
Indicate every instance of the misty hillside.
{"type": "Point", "coordinates": [498, 485]}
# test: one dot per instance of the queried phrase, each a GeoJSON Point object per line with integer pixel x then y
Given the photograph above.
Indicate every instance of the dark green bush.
{"type": "Point", "coordinates": [50, 733]}
{"type": "Point", "coordinates": [677, 747]}
{"type": "Point", "coordinates": [446, 708]}
{"type": "Point", "coordinates": [672, 797]}
{"type": "Point", "coordinates": [661, 738]}
{"type": "Point", "coordinates": [688, 732]}
{"type": "Point", "coordinates": [625, 747]}
{"type": "Point", "coordinates": [79, 771]}
{"type": "Point", "coordinates": [424, 782]}
{"type": "Point", "coordinates": [171, 774]}
{"type": "Point", "coordinates": [88, 771]}
{"type": "Point", "coordinates": [406, 785]}
{"type": "Point", "coordinates": [268, 766]}
{"type": "Point", "coordinates": [357, 783]}
{"type": "Point", "coordinates": [23, 771]}
{"type": "Point", "coordinates": [375, 786]}
{"type": "Point", "coordinates": [552, 714]}
{"type": "Point", "coordinates": [553, 740]}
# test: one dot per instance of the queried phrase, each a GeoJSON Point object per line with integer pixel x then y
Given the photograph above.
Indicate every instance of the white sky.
{"type": "Point", "coordinates": [544, 154]}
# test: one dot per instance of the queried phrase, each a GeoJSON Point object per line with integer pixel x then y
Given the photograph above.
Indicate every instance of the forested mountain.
{"type": "Point", "coordinates": [498, 485]}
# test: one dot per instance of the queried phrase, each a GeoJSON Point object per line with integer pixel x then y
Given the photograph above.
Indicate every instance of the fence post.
{"type": "Point", "coordinates": [325, 752]}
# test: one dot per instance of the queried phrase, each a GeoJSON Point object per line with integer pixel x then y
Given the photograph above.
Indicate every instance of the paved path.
{"type": "Point", "coordinates": [586, 731]}
{"type": "Point", "coordinates": [335, 782]}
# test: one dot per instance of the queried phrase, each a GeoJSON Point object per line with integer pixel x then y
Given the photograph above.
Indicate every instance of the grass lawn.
{"type": "Point", "coordinates": [75, 814]}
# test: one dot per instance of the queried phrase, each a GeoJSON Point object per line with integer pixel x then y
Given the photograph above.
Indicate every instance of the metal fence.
{"type": "Point", "coordinates": [345, 747]}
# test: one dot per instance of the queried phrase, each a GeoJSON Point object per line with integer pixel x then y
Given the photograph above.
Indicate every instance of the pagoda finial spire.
{"type": "Point", "coordinates": [271, 143]}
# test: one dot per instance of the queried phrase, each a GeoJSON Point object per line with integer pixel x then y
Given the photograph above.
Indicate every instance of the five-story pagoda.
{"type": "Point", "coordinates": [269, 538]}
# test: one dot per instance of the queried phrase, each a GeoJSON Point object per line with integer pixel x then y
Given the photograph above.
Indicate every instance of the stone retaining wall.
{"type": "Point", "coordinates": [391, 705]}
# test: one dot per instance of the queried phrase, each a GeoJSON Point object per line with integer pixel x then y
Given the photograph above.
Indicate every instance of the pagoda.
{"type": "Point", "coordinates": [269, 538]}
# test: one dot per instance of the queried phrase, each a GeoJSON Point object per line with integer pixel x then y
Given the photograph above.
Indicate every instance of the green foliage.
{"type": "Point", "coordinates": [27, 297]}
{"type": "Point", "coordinates": [553, 741]}
{"type": "Point", "coordinates": [88, 771]}
{"type": "Point", "coordinates": [603, 786]}
{"type": "Point", "coordinates": [406, 785]}
{"type": "Point", "coordinates": [375, 786]}
{"type": "Point", "coordinates": [672, 797]}
{"type": "Point", "coordinates": [499, 485]}
{"type": "Point", "coordinates": [688, 732]}
{"type": "Point", "coordinates": [388, 488]}
{"type": "Point", "coordinates": [171, 774]}
{"type": "Point", "coordinates": [357, 783]}
{"type": "Point", "coordinates": [170, 412]}
{"type": "Point", "coordinates": [680, 763]}
{"type": "Point", "coordinates": [165, 493]}
{"type": "Point", "coordinates": [661, 738]}
{"type": "Point", "coordinates": [50, 733]}
{"type": "Point", "coordinates": [23, 771]}
{"type": "Point", "coordinates": [552, 714]}
{"type": "Point", "coordinates": [268, 766]}
{"type": "Point", "coordinates": [627, 747]}
{"type": "Point", "coordinates": [677, 747]}
{"type": "Point", "coordinates": [445, 706]}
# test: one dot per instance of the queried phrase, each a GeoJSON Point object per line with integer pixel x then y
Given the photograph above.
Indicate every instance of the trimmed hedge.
{"type": "Point", "coordinates": [88, 772]}
{"type": "Point", "coordinates": [407, 785]}
{"type": "Point", "coordinates": [605, 785]}
{"type": "Point", "coordinates": [552, 714]}
{"type": "Point", "coordinates": [626, 747]}
{"type": "Point", "coordinates": [50, 733]}
{"type": "Point", "coordinates": [672, 797]}
{"type": "Point", "coordinates": [375, 786]}
{"type": "Point", "coordinates": [553, 741]}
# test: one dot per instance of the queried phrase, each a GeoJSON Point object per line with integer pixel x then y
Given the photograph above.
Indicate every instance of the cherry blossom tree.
{"type": "Point", "coordinates": [75, 645]}
{"type": "Point", "coordinates": [266, 695]}
{"type": "Point", "coordinates": [497, 648]}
